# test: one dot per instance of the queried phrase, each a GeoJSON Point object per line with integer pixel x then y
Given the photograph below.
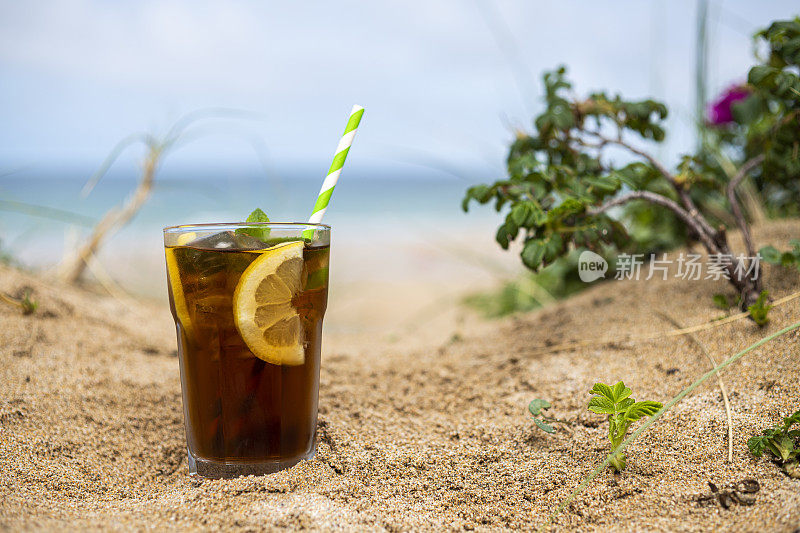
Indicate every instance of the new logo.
{"type": "Point", "coordinates": [591, 266]}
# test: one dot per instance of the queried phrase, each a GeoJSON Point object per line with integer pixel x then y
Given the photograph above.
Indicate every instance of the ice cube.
{"type": "Point", "coordinates": [228, 240]}
{"type": "Point", "coordinates": [218, 241]}
{"type": "Point", "coordinates": [248, 242]}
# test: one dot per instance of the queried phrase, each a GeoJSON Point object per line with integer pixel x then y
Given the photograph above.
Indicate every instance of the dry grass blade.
{"type": "Point", "coordinates": [721, 383]}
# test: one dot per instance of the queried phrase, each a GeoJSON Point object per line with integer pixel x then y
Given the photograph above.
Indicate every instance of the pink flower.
{"type": "Point", "coordinates": [720, 111]}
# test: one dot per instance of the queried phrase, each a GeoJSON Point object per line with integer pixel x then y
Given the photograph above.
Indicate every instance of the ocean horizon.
{"type": "Point", "coordinates": [398, 212]}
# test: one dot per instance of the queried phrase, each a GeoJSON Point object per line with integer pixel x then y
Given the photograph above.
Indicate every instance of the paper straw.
{"type": "Point", "coordinates": [326, 190]}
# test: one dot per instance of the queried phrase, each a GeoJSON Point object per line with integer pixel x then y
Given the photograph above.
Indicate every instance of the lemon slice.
{"type": "Point", "coordinates": [262, 305]}
{"type": "Point", "coordinates": [178, 298]}
{"type": "Point", "coordinates": [186, 238]}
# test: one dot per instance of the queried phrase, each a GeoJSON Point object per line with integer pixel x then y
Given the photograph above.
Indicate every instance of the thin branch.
{"type": "Point", "coordinates": [663, 201]}
{"type": "Point", "coordinates": [596, 146]}
{"type": "Point", "coordinates": [72, 268]}
{"type": "Point", "coordinates": [721, 383]}
{"type": "Point", "coordinates": [753, 203]}
{"type": "Point", "coordinates": [641, 153]}
{"type": "Point", "coordinates": [112, 156]}
{"type": "Point", "coordinates": [686, 200]}
{"type": "Point", "coordinates": [736, 208]}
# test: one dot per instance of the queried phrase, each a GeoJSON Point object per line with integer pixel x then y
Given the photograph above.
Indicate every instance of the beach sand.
{"type": "Point", "coordinates": [423, 414]}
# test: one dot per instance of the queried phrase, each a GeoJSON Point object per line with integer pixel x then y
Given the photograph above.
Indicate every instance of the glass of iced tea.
{"type": "Point", "coordinates": [248, 302]}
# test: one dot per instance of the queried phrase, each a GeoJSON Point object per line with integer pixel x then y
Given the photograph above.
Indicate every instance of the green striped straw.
{"type": "Point", "coordinates": [326, 190]}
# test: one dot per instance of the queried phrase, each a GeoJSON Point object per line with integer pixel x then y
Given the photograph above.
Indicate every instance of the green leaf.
{"type": "Point", "coordinates": [480, 193]}
{"type": "Point", "coordinates": [624, 404]}
{"type": "Point", "coordinates": [721, 301]}
{"type": "Point", "coordinates": [502, 237]}
{"type": "Point", "coordinates": [759, 73]}
{"type": "Point", "coordinates": [603, 390]}
{"type": "Point", "coordinates": [788, 259]}
{"type": "Point", "coordinates": [781, 446]}
{"type": "Point", "coordinates": [791, 420]}
{"type": "Point", "coordinates": [533, 253]}
{"type": "Point", "coordinates": [527, 215]}
{"type": "Point", "coordinates": [601, 405]}
{"type": "Point", "coordinates": [570, 206]}
{"type": "Point", "coordinates": [553, 247]}
{"type": "Point", "coordinates": [770, 254]}
{"type": "Point", "coordinates": [544, 425]}
{"type": "Point", "coordinates": [536, 406]}
{"type": "Point", "coordinates": [604, 184]}
{"type": "Point", "coordinates": [519, 213]}
{"type": "Point", "coordinates": [747, 110]}
{"type": "Point", "coordinates": [757, 445]}
{"type": "Point", "coordinates": [642, 409]}
{"type": "Point", "coordinates": [620, 392]}
{"type": "Point", "coordinates": [256, 217]}
{"type": "Point", "coordinates": [29, 306]}
{"type": "Point", "coordinates": [760, 309]}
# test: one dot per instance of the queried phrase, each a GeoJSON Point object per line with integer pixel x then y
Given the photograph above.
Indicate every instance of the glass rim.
{"type": "Point", "coordinates": [212, 225]}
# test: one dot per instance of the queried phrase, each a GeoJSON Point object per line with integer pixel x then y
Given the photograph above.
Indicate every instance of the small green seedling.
{"type": "Point", "coordinates": [536, 407]}
{"type": "Point", "coordinates": [760, 309]}
{"type": "Point", "coordinates": [26, 304]}
{"type": "Point", "coordinates": [771, 255]}
{"type": "Point", "coordinates": [781, 441]}
{"type": "Point", "coordinates": [622, 410]}
{"type": "Point", "coordinates": [721, 301]}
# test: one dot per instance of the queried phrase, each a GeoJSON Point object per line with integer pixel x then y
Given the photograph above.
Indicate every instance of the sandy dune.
{"type": "Point", "coordinates": [423, 423]}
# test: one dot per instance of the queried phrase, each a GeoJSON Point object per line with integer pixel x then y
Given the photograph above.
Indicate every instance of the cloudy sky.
{"type": "Point", "coordinates": [443, 82]}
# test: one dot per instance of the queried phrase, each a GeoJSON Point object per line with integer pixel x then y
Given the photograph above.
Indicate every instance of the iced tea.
{"type": "Point", "coordinates": [243, 414]}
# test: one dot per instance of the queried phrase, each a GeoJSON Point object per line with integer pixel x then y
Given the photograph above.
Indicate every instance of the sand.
{"type": "Point", "coordinates": [423, 422]}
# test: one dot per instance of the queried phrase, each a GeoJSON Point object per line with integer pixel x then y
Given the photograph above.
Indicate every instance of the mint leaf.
{"type": "Point", "coordinates": [257, 216]}
{"type": "Point", "coordinates": [317, 279]}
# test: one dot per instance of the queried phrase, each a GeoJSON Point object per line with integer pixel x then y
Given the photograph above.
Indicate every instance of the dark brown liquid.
{"type": "Point", "coordinates": [238, 407]}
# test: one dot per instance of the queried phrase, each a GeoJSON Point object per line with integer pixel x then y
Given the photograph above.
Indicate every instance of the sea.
{"type": "Point", "coordinates": [377, 217]}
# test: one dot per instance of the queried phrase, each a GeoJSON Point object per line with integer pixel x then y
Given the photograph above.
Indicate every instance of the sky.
{"type": "Point", "coordinates": [444, 83]}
